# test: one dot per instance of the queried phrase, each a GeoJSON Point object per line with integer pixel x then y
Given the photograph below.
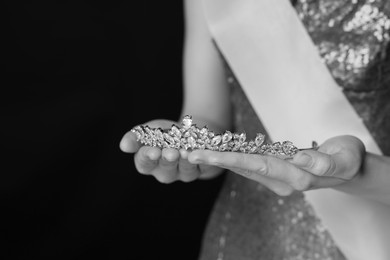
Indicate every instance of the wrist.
{"type": "Point", "coordinates": [372, 181]}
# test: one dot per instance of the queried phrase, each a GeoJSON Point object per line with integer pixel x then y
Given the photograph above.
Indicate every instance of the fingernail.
{"type": "Point", "coordinates": [302, 159]}
{"type": "Point", "coordinates": [184, 154]}
{"type": "Point", "coordinates": [152, 157]}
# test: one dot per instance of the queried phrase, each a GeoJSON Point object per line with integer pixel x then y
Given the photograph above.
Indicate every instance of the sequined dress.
{"type": "Point", "coordinates": [250, 222]}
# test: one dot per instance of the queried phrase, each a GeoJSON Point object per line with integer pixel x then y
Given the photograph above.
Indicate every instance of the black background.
{"type": "Point", "coordinates": [78, 75]}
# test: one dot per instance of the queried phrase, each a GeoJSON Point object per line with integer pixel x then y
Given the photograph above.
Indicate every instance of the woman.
{"type": "Point", "coordinates": [250, 219]}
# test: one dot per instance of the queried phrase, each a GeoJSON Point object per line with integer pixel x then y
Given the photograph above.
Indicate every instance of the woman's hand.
{"type": "Point", "coordinates": [337, 161]}
{"type": "Point", "coordinates": [166, 165]}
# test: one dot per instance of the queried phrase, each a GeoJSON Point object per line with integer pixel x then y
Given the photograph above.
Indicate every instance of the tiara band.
{"type": "Point", "coordinates": [190, 137]}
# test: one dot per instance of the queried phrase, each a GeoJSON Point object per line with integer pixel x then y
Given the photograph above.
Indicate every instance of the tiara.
{"type": "Point", "coordinates": [189, 137]}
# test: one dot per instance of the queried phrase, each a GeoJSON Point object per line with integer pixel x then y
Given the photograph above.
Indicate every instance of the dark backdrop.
{"type": "Point", "coordinates": [78, 75]}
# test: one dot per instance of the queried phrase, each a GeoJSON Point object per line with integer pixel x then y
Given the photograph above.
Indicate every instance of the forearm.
{"type": "Point", "coordinates": [373, 181]}
{"type": "Point", "coordinates": [206, 95]}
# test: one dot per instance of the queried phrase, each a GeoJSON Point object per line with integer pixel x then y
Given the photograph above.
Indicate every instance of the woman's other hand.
{"type": "Point", "coordinates": [337, 161]}
{"type": "Point", "coordinates": [166, 165]}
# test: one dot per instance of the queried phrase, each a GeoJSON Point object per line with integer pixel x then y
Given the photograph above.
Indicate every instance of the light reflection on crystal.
{"type": "Point", "coordinates": [259, 140]}
{"type": "Point", "coordinates": [187, 122]}
{"type": "Point", "coordinates": [242, 137]}
{"type": "Point", "coordinates": [227, 137]}
{"type": "Point", "coordinates": [175, 131]}
{"type": "Point", "coordinates": [216, 140]}
{"type": "Point", "coordinates": [191, 137]}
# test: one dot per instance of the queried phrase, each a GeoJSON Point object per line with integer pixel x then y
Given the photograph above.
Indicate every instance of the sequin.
{"type": "Point", "coordinates": [356, 34]}
{"type": "Point", "coordinates": [352, 38]}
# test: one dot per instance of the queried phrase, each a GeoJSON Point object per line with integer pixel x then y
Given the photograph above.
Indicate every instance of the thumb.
{"type": "Point", "coordinates": [317, 163]}
{"type": "Point", "coordinates": [340, 157]}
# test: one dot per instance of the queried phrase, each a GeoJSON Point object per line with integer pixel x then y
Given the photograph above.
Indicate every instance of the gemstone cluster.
{"type": "Point", "coordinates": [189, 137]}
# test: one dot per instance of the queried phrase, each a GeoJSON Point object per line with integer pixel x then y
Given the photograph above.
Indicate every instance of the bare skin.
{"type": "Point", "coordinates": [340, 162]}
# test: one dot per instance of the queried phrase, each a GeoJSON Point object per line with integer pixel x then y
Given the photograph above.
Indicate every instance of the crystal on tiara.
{"type": "Point", "coordinates": [190, 137]}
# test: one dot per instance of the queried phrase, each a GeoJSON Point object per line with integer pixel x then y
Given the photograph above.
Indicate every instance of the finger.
{"type": "Point", "coordinates": [247, 162]}
{"type": "Point", "coordinates": [166, 177]}
{"type": "Point", "coordinates": [146, 159]}
{"type": "Point", "coordinates": [168, 163]}
{"type": "Point", "coordinates": [322, 164]}
{"type": "Point", "coordinates": [204, 171]}
{"type": "Point", "coordinates": [266, 166]}
{"type": "Point", "coordinates": [278, 187]}
{"type": "Point", "coordinates": [129, 143]}
{"type": "Point", "coordinates": [187, 171]}
{"type": "Point", "coordinates": [166, 171]}
{"type": "Point", "coordinates": [266, 170]}
{"type": "Point", "coordinates": [171, 156]}
{"type": "Point", "coordinates": [317, 163]}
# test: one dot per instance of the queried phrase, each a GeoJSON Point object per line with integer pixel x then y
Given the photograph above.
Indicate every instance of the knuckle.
{"type": "Point", "coordinates": [245, 173]}
{"type": "Point", "coordinates": [312, 164]}
{"type": "Point", "coordinates": [265, 168]}
{"type": "Point", "coordinates": [327, 167]}
{"type": "Point", "coordinates": [262, 170]}
{"type": "Point", "coordinates": [323, 165]}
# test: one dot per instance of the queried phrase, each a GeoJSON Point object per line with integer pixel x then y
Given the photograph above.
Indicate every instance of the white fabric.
{"type": "Point", "coordinates": [297, 99]}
